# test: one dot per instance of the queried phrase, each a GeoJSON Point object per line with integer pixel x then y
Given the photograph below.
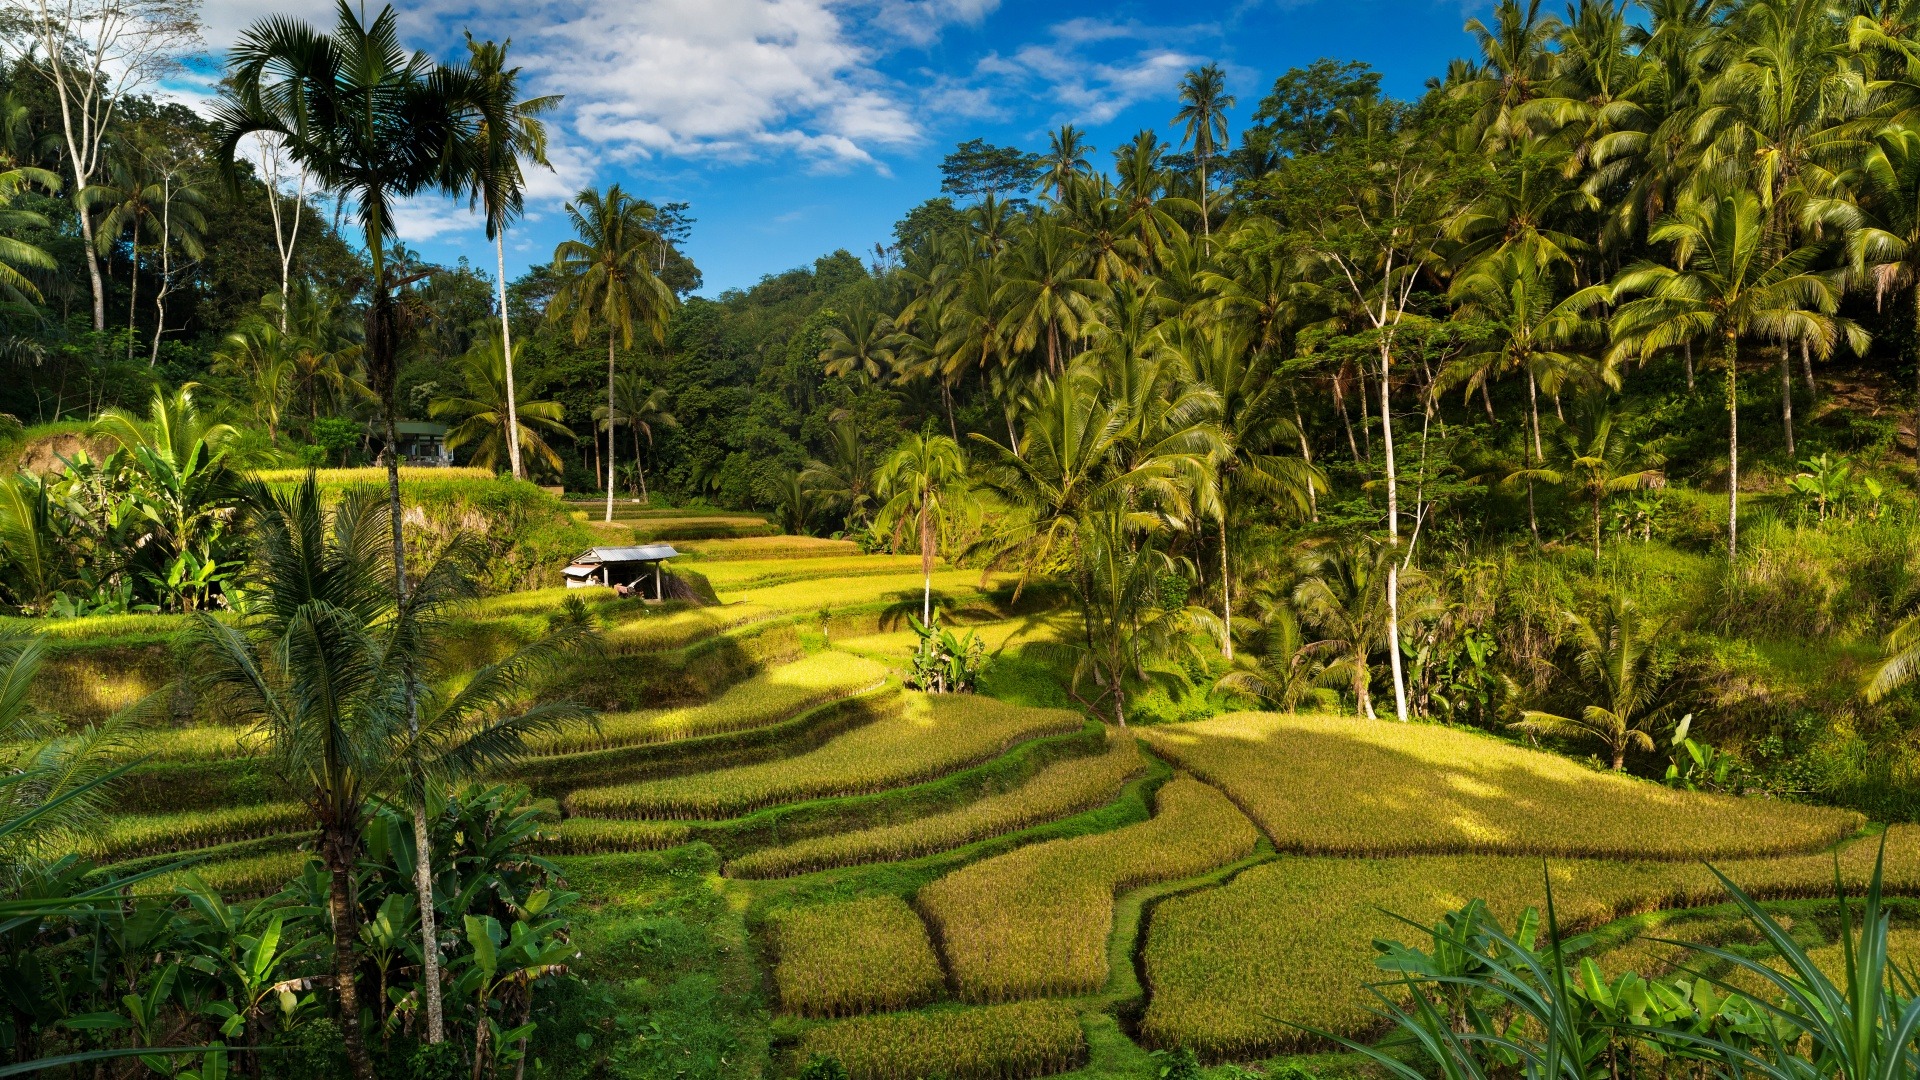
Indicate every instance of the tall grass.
{"type": "Point", "coordinates": [1336, 785]}
{"type": "Point", "coordinates": [1062, 788]}
{"type": "Point", "coordinates": [996, 1042]}
{"type": "Point", "coordinates": [853, 957]}
{"type": "Point", "coordinates": [1035, 921]}
{"type": "Point", "coordinates": [931, 737]}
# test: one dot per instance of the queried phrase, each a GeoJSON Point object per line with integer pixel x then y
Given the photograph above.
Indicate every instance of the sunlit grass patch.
{"type": "Point", "coordinates": [931, 737]}
{"type": "Point", "coordinates": [1292, 940]}
{"type": "Point", "coordinates": [131, 835]}
{"type": "Point", "coordinates": [1334, 785]}
{"type": "Point", "coordinates": [1063, 788]}
{"type": "Point", "coordinates": [767, 547]}
{"type": "Point", "coordinates": [994, 1042]}
{"type": "Point", "coordinates": [1035, 921]}
{"type": "Point", "coordinates": [771, 570]}
{"type": "Point", "coordinates": [761, 700]}
{"type": "Point", "coordinates": [853, 957]}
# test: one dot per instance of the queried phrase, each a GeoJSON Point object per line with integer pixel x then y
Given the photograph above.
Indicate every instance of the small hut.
{"type": "Point", "coordinates": [632, 570]}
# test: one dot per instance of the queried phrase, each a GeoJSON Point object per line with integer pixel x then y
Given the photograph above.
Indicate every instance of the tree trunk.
{"type": "Point", "coordinates": [1340, 402]}
{"type": "Point", "coordinates": [610, 420]}
{"type": "Point", "coordinates": [429, 929]}
{"type": "Point", "coordinates": [1306, 455]}
{"type": "Point", "coordinates": [506, 350]}
{"type": "Point", "coordinates": [93, 265]}
{"type": "Point", "coordinates": [1688, 355]}
{"type": "Point", "coordinates": [1806, 368]}
{"type": "Point", "coordinates": [1619, 759]}
{"type": "Point", "coordinates": [1362, 675]}
{"type": "Point", "coordinates": [1596, 528]}
{"type": "Point", "coordinates": [1226, 593]}
{"type": "Point", "coordinates": [926, 563]}
{"type": "Point", "coordinates": [1393, 533]}
{"type": "Point", "coordinates": [133, 290]}
{"type": "Point", "coordinates": [1786, 396]}
{"type": "Point", "coordinates": [345, 957]}
{"type": "Point", "coordinates": [1733, 449]}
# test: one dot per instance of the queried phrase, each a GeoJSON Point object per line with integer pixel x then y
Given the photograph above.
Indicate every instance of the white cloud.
{"type": "Point", "coordinates": [1090, 91]}
{"type": "Point", "coordinates": [920, 22]}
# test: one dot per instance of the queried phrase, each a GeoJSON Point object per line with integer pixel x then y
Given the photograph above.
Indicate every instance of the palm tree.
{"type": "Point", "coordinates": [606, 277]}
{"type": "Point", "coordinates": [326, 662]}
{"type": "Point", "coordinates": [266, 362]}
{"type": "Point", "coordinates": [1616, 657]}
{"type": "Point", "coordinates": [1882, 223]}
{"type": "Point", "coordinates": [1047, 294]}
{"type": "Point", "coordinates": [1342, 595]}
{"type": "Point", "coordinates": [641, 409]}
{"type": "Point", "coordinates": [920, 480]}
{"type": "Point", "coordinates": [1729, 285]}
{"type": "Point", "coordinates": [15, 180]}
{"type": "Point", "coordinates": [1595, 456]}
{"type": "Point", "coordinates": [1065, 159]}
{"type": "Point", "coordinates": [861, 344]}
{"type": "Point", "coordinates": [373, 123]}
{"type": "Point", "coordinates": [1204, 102]}
{"type": "Point", "coordinates": [1251, 428]}
{"type": "Point", "coordinates": [1118, 566]}
{"type": "Point", "coordinates": [509, 129]}
{"type": "Point", "coordinates": [844, 477]}
{"type": "Point", "coordinates": [482, 422]}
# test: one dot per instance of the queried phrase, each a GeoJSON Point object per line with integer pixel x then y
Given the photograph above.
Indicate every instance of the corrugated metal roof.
{"type": "Point", "coordinates": [648, 553]}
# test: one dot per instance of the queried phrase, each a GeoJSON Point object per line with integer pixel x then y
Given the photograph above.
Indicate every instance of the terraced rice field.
{"type": "Point", "coordinates": [1359, 787]}
{"type": "Point", "coordinates": [963, 887]}
{"type": "Point", "coordinates": [933, 736]}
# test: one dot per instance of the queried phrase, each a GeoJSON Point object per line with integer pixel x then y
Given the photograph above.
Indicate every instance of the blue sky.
{"type": "Point", "coordinates": [795, 127]}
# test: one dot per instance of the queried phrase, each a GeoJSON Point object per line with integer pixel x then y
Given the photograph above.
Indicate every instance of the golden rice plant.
{"type": "Point", "coordinates": [1292, 939]}
{"type": "Point", "coordinates": [773, 570]}
{"type": "Point", "coordinates": [1062, 788]}
{"type": "Point", "coordinates": [931, 736]}
{"type": "Point", "coordinates": [997, 635]}
{"type": "Point", "coordinates": [598, 836]}
{"type": "Point", "coordinates": [1036, 921]}
{"type": "Point", "coordinates": [1338, 785]}
{"type": "Point", "coordinates": [129, 835]}
{"type": "Point", "coordinates": [994, 1042]}
{"type": "Point", "coordinates": [853, 957]}
{"type": "Point", "coordinates": [818, 594]}
{"type": "Point", "coordinates": [254, 875]}
{"type": "Point", "coordinates": [767, 547]}
{"type": "Point", "coordinates": [764, 699]}
{"type": "Point", "coordinates": [338, 478]}
{"type": "Point", "coordinates": [91, 684]}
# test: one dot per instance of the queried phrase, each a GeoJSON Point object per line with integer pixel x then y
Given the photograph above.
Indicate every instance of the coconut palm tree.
{"type": "Point", "coordinates": [1616, 657]}
{"type": "Point", "coordinates": [920, 481]}
{"type": "Point", "coordinates": [1065, 159]}
{"type": "Point", "coordinates": [1594, 455]}
{"type": "Point", "coordinates": [327, 663]}
{"type": "Point", "coordinates": [843, 478]}
{"type": "Point", "coordinates": [266, 362]}
{"type": "Point", "coordinates": [481, 421]}
{"type": "Point", "coordinates": [1047, 293]}
{"type": "Point", "coordinates": [1882, 221]}
{"type": "Point", "coordinates": [606, 278]}
{"type": "Point", "coordinates": [1204, 102]}
{"type": "Point", "coordinates": [509, 131]}
{"type": "Point", "coordinates": [641, 409]}
{"type": "Point", "coordinates": [860, 344]}
{"type": "Point", "coordinates": [374, 123]}
{"type": "Point", "coordinates": [1728, 284]}
{"type": "Point", "coordinates": [1342, 597]}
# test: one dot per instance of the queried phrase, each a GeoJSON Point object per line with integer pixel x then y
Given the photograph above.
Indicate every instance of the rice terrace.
{"type": "Point", "coordinates": [1285, 593]}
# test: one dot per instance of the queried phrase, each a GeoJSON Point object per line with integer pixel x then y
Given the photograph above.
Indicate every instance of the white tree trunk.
{"type": "Point", "coordinates": [1393, 533]}
{"type": "Point", "coordinates": [610, 419]}
{"type": "Point", "coordinates": [506, 349]}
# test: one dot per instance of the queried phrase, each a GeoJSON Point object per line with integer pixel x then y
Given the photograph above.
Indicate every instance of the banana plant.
{"type": "Point", "coordinates": [512, 957]}
{"type": "Point", "coordinates": [388, 937]}
{"type": "Point", "coordinates": [1863, 1026]}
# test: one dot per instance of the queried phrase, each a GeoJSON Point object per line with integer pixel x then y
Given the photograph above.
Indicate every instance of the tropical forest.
{"type": "Point", "coordinates": [1348, 582]}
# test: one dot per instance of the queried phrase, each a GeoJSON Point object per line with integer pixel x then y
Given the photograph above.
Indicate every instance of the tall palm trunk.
{"type": "Point", "coordinates": [506, 350]}
{"type": "Point", "coordinates": [133, 289]}
{"type": "Point", "coordinates": [926, 562]}
{"type": "Point", "coordinates": [346, 928]}
{"type": "Point", "coordinates": [1786, 395]}
{"type": "Point", "coordinates": [1806, 368]}
{"type": "Point", "coordinates": [1539, 455]}
{"type": "Point", "coordinates": [1688, 355]}
{"type": "Point", "coordinates": [1733, 448]}
{"type": "Point", "coordinates": [610, 422]}
{"type": "Point", "coordinates": [1306, 455]}
{"type": "Point", "coordinates": [1226, 593]}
